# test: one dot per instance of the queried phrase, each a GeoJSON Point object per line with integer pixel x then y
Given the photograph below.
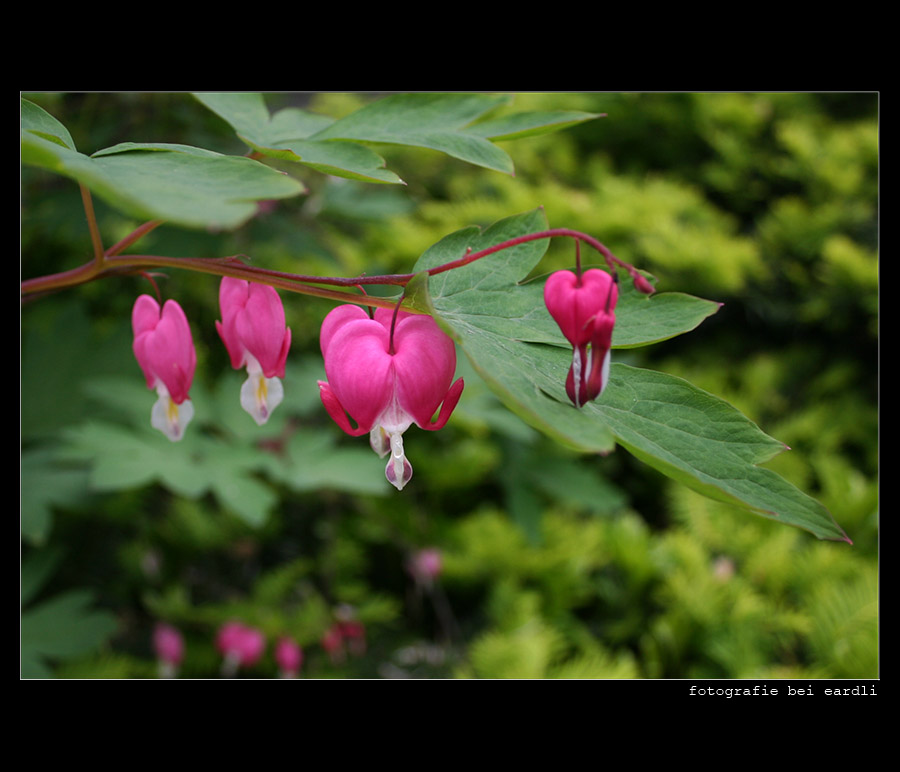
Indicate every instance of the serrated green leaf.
{"type": "Point", "coordinates": [685, 433]}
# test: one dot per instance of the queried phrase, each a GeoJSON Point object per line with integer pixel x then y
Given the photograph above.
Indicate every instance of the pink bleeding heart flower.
{"type": "Point", "coordinates": [165, 351]}
{"type": "Point", "coordinates": [253, 330]}
{"type": "Point", "coordinates": [387, 374]}
{"type": "Point", "coordinates": [169, 647]}
{"type": "Point", "coordinates": [240, 645]}
{"type": "Point", "coordinates": [583, 308]}
{"type": "Point", "coordinates": [289, 657]}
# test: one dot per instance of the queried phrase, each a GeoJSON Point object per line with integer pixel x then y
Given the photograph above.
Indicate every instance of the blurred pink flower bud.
{"type": "Point", "coordinates": [333, 643]}
{"type": "Point", "coordinates": [241, 646]}
{"type": "Point", "coordinates": [164, 349]}
{"type": "Point", "coordinates": [169, 647]}
{"type": "Point", "coordinates": [387, 382]}
{"type": "Point", "coordinates": [253, 330]}
{"type": "Point", "coordinates": [289, 657]}
{"type": "Point", "coordinates": [583, 308]}
{"type": "Point", "coordinates": [425, 565]}
{"type": "Point", "coordinates": [354, 633]}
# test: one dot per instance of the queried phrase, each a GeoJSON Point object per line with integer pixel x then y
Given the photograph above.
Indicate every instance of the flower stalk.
{"type": "Point", "coordinates": [111, 262]}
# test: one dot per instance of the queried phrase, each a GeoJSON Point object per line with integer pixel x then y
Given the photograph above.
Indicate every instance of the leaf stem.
{"type": "Point", "coordinates": [92, 224]}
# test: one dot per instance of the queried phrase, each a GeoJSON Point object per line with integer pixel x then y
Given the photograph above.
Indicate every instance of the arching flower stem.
{"type": "Point", "coordinates": [111, 262]}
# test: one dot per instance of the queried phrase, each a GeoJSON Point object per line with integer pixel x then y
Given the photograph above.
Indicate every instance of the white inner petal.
{"type": "Point", "coordinates": [169, 418]}
{"type": "Point", "coordinates": [380, 441]}
{"type": "Point", "coordinates": [394, 419]}
{"type": "Point", "coordinates": [604, 373]}
{"type": "Point", "coordinates": [576, 375]}
{"type": "Point", "coordinates": [261, 395]}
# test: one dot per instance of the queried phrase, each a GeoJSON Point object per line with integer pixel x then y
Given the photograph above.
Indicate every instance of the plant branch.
{"type": "Point", "coordinates": [111, 263]}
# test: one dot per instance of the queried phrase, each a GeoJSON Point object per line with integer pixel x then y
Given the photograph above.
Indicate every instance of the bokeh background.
{"type": "Point", "coordinates": [551, 565]}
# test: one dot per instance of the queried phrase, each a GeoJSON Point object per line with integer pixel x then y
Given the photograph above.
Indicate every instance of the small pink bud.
{"type": "Point", "coordinates": [241, 646]}
{"type": "Point", "coordinates": [289, 657]}
{"type": "Point", "coordinates": [425, 565]}
{"type": "Point", "coordinates": [386, 384]}
{"type": "Point", "coordinates": [164, 349]}
{"type": "Point", "coordinates": [642, 285]}
{"type": "Point", "coordinates": [253, 330]}
{"type": "Point", "coordinates": [583, 307]}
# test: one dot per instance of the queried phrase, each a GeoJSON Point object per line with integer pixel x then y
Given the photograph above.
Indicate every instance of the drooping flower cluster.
{"type": "Point", "coordinates": [583, 306]}
{"type": "Point", "coordinates": [385, 370]}
{"type": "Point", "coordinates": [387, 373]}
{"type": "Point", "coordinates": [253, 330]}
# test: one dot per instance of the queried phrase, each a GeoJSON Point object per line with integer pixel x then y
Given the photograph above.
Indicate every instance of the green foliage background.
{"type": "Point", "coordinates": [555, 564]}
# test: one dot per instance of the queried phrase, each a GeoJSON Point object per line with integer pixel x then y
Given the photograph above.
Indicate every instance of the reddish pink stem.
{"type": "Point", "coordinates": [113, 263]}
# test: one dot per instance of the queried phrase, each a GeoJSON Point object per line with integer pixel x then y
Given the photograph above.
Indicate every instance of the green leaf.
{"type": "Point", "coordinates": [705, 443]}
{"type": "Point", "coordinates": [45, 484]}
{"type": "Point", "coordinates": [434, 121]}
{"type": "Point", "coordinates": [511, 341]}
{"type": "Point", "coordinates": [59, 350]}
{"type": "Point", "coordinates": [247, 113]}
{"type": "Point", "coordinates": [60, 628]}
{"type": "Point", "coordinates": [313, 462]}
{"type": "Point", "coordinates": [184, 185]}
{"type": "Point", "coordinates": [285, 136]}
{"type": "Point", "coordinates": [531, 124]}
{"type": "Point", "coordinates": [340, 159]}
{"type": "Point", "coordinates": [487, 293]}
{"type": "Point", "coordinates": [121, 459]}
{"type": "Point", "coordinates": [38, 121]}
{"type": "Point", "coordinates": [37, 569]}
